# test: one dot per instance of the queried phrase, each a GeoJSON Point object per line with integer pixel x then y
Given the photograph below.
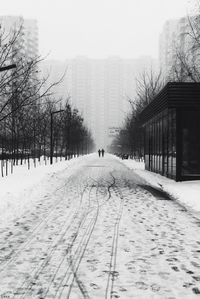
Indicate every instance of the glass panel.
{"type": "Point", "coordinates": [150, 145]}
{"type": "Point", "coordinates": [165, 144]}
{"type": "Point", "coordinates": [173, 143]}
{"type": "Point", "coordinates": [170, 143]}
{"type": "Point", "coordinates": [147, 146]}
{"type": "Point", "coordinates": [190, 143]}
{"type": "Point", "coordinates": [160, 145]}
{"type": "Point", "coordinates": [160, 150]}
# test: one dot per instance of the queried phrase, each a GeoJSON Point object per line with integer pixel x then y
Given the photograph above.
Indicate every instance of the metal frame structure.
{"type": "Point", "coordinates": [172, 132]}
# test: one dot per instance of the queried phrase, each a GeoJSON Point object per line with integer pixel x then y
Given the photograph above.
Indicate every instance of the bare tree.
{"type": "Point", "coordinates": [26, 104]}
{"type": "Point", "coordinates": [186, 64]}
{"type": "Point", "coordinates": [130, 138]}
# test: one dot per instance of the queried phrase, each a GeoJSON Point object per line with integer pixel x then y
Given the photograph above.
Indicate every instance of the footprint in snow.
{"type": "Point", "coordinates": [195, 264]}
{"type": "Point", "coordinates": [114, 295]}
{"type": "Point", "coordinates": [126, 249]}
{"type": "Point", "coordinates": [141, 285]}
{"type": "Point", "coordinates": [164, 275]}
{"type": "Point", "coordinates": [94, 286]}
{"type": "Point", "coordinates": [187, 284]}
{"type": "Point", "coordinates": [176, 269]}
{"type": "Point", "coordinates": [122, 289]}
{"type": "Point", "coordinates": [155, 288]}
{"type": "Point", "coordinates": [197, 278]}
{"type": "Point", "coordinates": [196, 290]}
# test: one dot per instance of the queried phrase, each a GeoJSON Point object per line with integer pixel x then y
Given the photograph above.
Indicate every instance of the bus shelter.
{"type": "Point", "coordinates": [171, 125]}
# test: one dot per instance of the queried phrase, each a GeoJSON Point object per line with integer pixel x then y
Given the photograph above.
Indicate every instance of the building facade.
{"type": "Point", "coordinates": [174, 41]}
{"type": "Point", "coordinates": [171, 125]}
{"type": "Point", "coordinates": [100, 89]}
{"type": "Point", "coordinates": [27, 41]}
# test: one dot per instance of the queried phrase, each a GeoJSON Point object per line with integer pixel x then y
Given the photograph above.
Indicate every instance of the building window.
{"type": "Point", "coordinates": [190, 143]}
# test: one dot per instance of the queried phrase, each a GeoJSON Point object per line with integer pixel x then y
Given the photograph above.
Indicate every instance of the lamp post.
{"type": "Point", "coordinates": [51, 136]}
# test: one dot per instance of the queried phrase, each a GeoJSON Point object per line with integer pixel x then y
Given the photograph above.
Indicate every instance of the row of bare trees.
{"type": "Point", "coordinates": [27, 104]}
{"type": "Point", "coordinates": [185, 68]}
{"type": "Point", "coordinates": [130, 138]}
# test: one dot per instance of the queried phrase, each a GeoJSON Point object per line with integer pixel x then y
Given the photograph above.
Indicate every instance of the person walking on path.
{"type": "Point", "coordinates": [102, 152]}
{"type": "Point", "coordinates": [99, 151]}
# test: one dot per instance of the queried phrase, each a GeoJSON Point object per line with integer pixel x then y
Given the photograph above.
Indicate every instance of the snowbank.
{"type": "Point", "coordinates": [20, 190]}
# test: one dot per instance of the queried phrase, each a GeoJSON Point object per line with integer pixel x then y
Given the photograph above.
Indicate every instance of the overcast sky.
{"type": "Point", "coordinates": [97, 28]}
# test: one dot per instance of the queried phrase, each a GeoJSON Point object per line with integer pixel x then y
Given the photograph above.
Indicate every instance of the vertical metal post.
{"type": "Point", "coordinates": [51, 141]}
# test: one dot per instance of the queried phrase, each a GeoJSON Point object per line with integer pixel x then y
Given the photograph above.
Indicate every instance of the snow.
{"type": "Point", "coordinates": [86, 228]}
{"type": "Point", "coordinates": [20, 190]}
{"type": "Point", "coordinates": [186, 192]}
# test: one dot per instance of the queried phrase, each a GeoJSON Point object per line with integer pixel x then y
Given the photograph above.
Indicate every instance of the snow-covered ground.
{"type": "Point", "coordinates": [18, 191]}
{"type": "Point", "coordinates": [88, 228]}
{"type": "Point", "coordinates": [187, 193]}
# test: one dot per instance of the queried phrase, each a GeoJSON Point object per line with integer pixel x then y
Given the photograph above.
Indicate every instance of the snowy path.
{"type": "Point", "coordinates": [100, 234]}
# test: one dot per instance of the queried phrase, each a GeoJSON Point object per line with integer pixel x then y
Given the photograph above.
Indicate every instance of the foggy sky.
{"type": "Point", "coordinates": [97, 28]}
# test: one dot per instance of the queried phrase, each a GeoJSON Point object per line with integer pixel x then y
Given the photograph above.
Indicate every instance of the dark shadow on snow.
{"type": "Point", "coordinates": [159, 194]}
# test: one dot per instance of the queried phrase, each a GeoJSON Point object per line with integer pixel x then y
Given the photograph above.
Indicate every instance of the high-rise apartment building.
{"type": "Point", "coordinates": [167, 46]}
{"type": "Point", "coordinates": [58, 71]}
{"type": "Point", "coordinates": [88, 94]}
{"type": "Point", "coordinates": [27, 41]}
{"type": "Point", "coordinates": [174, 38]}
{"type": "Point", "coordinates": [97, 91]}
{"type": "Point", "coordinates": [100, 89]}
{"type": "Point", "coordinates": [31, 44]}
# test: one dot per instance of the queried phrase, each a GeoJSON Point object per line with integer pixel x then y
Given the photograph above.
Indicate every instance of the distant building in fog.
{"type": "Point", "coordinates": [167, 43]}
{"type": "Point", "coordinates": [27, 41]}
{"type": "Point", "coordinates": [99, 88]}
{"type": "Point", "coordinates": [88, 94]}
{"type": "Point", "coordinates": [173, 38]}
{"type": "Point", "coordinates": [57, 71]}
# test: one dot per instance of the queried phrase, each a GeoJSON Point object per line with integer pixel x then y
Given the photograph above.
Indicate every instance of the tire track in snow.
{"type": "Point", "coordinates": [33, 232]}
{"type": "Point", "coordinates": [75, 235]}
{"type": "Point", "coordinates": [112, 273]}
{"type": "Point", "coordinates": [75, 261]}
{"type": "Point", "coordinates": [83, 249]}
{"type": "Point", "coordinates": [78, 254]}
{"type": "Point", "coordinates": [51, 250]}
